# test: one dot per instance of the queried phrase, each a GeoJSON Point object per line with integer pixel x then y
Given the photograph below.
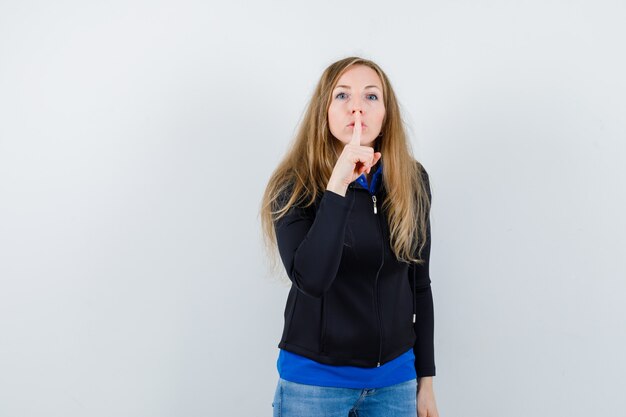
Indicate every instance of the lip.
{"type": "Point", "coordinates": [352, 124]}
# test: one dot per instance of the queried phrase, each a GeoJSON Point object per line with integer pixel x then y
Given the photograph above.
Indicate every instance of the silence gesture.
{"type": "Point", "coordinates": [353, 161]}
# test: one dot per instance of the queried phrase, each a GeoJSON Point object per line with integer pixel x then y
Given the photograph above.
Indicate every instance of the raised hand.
{"type": "Point", "coordinates": [353, 161]}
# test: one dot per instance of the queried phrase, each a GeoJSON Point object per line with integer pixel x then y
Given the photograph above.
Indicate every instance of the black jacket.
{"type": "Point", "coordinates": [351, 301]}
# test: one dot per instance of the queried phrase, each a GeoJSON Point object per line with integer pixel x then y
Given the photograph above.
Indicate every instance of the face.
{"type": "Point", "coordinates": [359, 89]}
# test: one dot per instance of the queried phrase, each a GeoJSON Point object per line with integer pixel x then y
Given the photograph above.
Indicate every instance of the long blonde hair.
{"type": "Point", "coordinates": [306, 169]}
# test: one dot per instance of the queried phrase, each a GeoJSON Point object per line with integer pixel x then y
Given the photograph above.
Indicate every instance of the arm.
{"type": "Point", "coordinates": [424, 321]}
{"type": "Point", "coordinates": [311, 244]}
{"type": "Point", "coordinates": [424, 327]}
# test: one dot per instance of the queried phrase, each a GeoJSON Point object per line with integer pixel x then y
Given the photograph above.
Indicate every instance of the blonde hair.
{"type": "Point", "coordinates": [306, 169]}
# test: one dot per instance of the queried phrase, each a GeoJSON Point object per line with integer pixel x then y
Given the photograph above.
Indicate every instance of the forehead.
{"type": "Point", "coordinates": [360, 75]}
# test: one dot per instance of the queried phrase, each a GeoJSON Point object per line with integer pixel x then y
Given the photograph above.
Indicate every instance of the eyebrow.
{"type": "Point", "coordinates": [348, 87]}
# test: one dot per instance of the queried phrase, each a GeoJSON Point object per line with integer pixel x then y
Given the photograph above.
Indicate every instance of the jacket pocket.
{"type": "Point", "coordinates": [348, 238]}
{"type": "Point", "coordinates": [323, 326]}
{"type": "Point", "coordinates": [289, 312]}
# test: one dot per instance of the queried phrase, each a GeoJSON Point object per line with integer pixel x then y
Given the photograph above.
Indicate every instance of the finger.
{"type": "Point", "coordinates": [376, 157]}
{"type": "Point", "coordinates": [356, 132]}
{"type": "Point", "coordinates": [360, 159]}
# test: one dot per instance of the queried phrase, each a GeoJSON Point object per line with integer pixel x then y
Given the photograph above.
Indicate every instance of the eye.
{"type": "Point", "coordinates": [373, 95]}
{"type": "Point", "coordinates": [340, 94]}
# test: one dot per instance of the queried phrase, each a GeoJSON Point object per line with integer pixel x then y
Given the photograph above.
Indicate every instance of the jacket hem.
{"type": "Point", "coordinates": [340, 361]}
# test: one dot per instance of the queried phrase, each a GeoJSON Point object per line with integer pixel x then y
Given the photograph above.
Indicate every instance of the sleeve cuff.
{"type": "Point", "coordinates": [337, 199]}
{"type": "Point", "coordinates": [425, 372]}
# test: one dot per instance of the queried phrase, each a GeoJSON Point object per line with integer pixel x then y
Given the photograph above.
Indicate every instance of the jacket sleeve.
{"type": "Point", "coordinates": [424, 321]}
{"type": "Point", "coordinates": [310, 242]}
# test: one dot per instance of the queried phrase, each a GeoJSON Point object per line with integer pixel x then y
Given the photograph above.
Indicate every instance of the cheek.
{"type": "Point", "coordinates": [332, 116]}
{"type": "Point", "coordinates": [380, 117]}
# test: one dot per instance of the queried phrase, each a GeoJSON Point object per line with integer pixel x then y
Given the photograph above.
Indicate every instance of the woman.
{"type": "Point", "coordinates": [355, 243]}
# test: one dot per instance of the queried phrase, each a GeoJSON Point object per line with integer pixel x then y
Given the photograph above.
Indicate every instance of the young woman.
{"type": "Point", "coordinates": [348, 209]}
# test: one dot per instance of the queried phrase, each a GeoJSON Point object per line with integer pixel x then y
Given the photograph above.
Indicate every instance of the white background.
{"type": "Point", "coordinates": [136, 139]}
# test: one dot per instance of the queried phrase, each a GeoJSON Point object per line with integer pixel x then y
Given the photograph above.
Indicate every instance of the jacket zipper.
{"type": "Point", "coordinates": [382, 260]}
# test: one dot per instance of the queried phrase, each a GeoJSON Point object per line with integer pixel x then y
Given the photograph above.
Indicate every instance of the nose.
{"type": "Point", "coordinates": [357, 106]}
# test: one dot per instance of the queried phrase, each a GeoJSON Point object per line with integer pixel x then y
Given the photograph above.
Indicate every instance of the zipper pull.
{"type": "Point", "coordinates": [413, 317]}
{"type": "Point", "coordinates": [378, 365]}
{"type": "Point", "coordinates": [374, 199]}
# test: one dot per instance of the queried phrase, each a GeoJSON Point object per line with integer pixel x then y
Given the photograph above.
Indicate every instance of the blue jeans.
{"type": "Point", "coordinates": [299, 400]}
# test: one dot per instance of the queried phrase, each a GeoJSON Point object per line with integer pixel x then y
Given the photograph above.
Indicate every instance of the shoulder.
{"type": "Point", "coordinates": [283, 195]}
{"type": "Point", "coordinates": [424, 175]}
{"type": "Point", "coordinates": [301, 201]}
{"type": "Point", "coordinates": [422, 170]}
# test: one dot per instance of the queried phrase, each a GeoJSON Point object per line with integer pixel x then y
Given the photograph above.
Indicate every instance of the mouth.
{"type": "Point", "coordinates": [352, 124]}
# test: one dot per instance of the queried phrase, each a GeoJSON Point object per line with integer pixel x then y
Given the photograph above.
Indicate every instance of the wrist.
{"type": "Point", "coordinates": [425, 382]}
{"type": "Point", "coordinates": [337, 187]}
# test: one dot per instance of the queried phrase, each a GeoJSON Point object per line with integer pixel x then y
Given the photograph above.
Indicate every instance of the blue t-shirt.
{"type": "Point", "coordinates": [297, 368]}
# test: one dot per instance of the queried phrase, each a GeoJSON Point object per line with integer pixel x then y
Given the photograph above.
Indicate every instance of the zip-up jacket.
{"type": "Point", "coordinates": [351, 301]}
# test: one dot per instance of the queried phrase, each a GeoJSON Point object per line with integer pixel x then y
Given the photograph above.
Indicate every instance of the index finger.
{"type": "Point", "coordinates": [356, 132]}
